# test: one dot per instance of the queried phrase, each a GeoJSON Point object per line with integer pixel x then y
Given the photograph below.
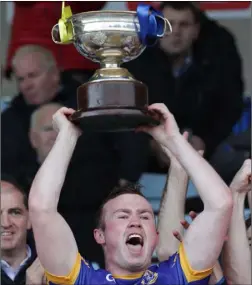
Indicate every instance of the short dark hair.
{"type": "Point", "coordinates": [183, 5]}
{"type": "Point", "coordinates": [13, 181]}
{"type": "Point", "coordinates": [129, 188]}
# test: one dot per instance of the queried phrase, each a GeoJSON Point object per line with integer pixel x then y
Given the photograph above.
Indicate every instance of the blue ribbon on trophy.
{"type": "Point", "coordinates": [152, 24]}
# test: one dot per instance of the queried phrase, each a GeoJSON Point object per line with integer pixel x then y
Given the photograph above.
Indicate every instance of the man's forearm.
{"type": "Point", "coordinates": [46, 187]}
{"type": "Point", "coordinates": [171, 210]}
{"type": "Point", "coordinates": [236, 252]}
{"type": "Point", "coordinates": [212, 189]}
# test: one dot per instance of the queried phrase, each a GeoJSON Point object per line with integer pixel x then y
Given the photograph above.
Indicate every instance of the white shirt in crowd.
{"type": "Point", "coordinates": [12, 273]}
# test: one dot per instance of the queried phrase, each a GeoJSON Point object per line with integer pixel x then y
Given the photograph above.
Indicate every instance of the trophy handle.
{"type": "Point", "coordinates": [167, 25]}
{"type": "Point", "coordinates": [56, 34]}
{"type": "Point", "coordinates": [62, 33]}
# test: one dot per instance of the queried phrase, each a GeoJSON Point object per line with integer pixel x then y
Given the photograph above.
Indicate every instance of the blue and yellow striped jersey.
{"type": "Point", "coordinates": [176, 270]}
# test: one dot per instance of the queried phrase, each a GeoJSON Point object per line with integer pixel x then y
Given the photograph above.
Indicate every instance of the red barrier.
{"type": "Point", "coordinates": [204, 5]}
{"type": "Point", "coordinates": [224, 5]}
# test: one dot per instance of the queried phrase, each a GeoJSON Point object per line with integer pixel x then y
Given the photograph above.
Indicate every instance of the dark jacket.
{"type": "Point", "coordinates": [20, 279]}
{"type": "Point", "coordinates": [207, 97]}
{"type": "Point", "coordinates": [15, 121]}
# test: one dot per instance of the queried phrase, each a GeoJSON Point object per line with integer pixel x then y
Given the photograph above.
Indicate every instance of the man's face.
{"type": "Point", "coordinates": [14, 218]}
{"type": "Point", "coordinates": [130, 235]}
{"type": "Point", "coordinates": [184, 31]}
{"type": "Point", "coordinates": [43, 135]}
{"type": "Point", "coordinates": [36, 82]}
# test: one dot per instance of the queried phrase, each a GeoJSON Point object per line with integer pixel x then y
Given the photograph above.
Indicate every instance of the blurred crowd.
{"type": "Point", "coordinates": [196, 72]}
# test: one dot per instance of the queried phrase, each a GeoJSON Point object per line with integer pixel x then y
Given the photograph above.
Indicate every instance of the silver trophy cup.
{"type": "Point", "coordinates": [112, 100]}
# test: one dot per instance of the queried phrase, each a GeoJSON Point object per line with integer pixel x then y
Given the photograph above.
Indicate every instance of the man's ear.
{"type": "Point", "coordinates": [99, 236]}
{"type": "Point", "coordinates": [29, 226]}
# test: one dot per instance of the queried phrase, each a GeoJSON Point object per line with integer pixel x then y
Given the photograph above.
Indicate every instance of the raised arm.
{"type": "Point", "coordinates": [204, 240]}
{"type": "Point", "coordinates": [217, 275]}
{"type": "Point", "coordinates": [172, 209]}
{"type": "Point", "coordinates": [55, 243]}
{"type": "Point", "coordinates": [236, 251]}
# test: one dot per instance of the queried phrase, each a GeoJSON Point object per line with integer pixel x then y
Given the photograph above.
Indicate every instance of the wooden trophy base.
{"type": "Point", "coordinates": [112, 106]}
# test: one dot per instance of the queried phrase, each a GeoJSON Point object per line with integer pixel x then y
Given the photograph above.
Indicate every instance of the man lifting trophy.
{"type": "Point", "coordinates": [112, 100]}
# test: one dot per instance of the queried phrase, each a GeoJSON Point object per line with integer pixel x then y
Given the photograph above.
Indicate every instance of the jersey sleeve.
{"type": "Point", "coordinates": [222, 281]}
{"type": "Point", "coordinates": [177, 270]}
{"type": "Point", "coordinates": [82, 273]}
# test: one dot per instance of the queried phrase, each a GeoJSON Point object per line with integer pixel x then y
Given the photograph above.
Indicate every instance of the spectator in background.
{"type": "Point", "coordinates": [230, 155]}
{"type": "Point", "coordinates": [196, 72]}
{"type": "Point", "coordinates": [19, 265]}
{"type": "Point", "coordinates": [42, 135]}
{"type": "Point", "coordinates": [39, 82]}
{"type": "Point", "coordinates": [32, 24]}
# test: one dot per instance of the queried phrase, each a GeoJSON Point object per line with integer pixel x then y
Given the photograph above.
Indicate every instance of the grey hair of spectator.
{"type": "Point", "coordinates": [47, 57]}
{"type": "Point", "coordinates": [35, 115]}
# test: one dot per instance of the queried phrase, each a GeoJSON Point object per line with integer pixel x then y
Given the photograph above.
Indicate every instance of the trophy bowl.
{"type": "Point", "coordinates": [112, 100]}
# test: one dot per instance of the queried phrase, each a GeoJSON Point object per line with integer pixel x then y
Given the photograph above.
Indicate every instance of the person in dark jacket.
{"type": "Point", "coordinates": [19, 263]}
{"type": "Point", "coordinates": [196, 72]}
{"type": "Point", "coordinates": [39, 82]}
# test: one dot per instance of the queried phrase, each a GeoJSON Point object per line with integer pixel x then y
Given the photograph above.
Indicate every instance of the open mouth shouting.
{"type": "Point", "coordinates": [135, 243]}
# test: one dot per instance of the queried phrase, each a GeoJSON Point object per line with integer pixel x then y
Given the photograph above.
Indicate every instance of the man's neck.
{"type": "Point", "coordinates": [15, 257]}
{"type": "Point", "coordinates": [118, 272]}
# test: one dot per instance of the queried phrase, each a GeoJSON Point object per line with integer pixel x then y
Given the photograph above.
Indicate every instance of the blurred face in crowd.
{"type": "Point", "coordinates": [37, 82]}
{"type": "Point", "coordinates": [42, 134]}
{"type": "Point", "coordinates": [184, 31]}
{"type": "Point", "coordinates": [129, 236]}
{"type": "Point", "coordinates": [14, 219]}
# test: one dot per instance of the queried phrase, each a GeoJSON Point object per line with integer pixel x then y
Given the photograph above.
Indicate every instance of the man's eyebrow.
{"type": "Point", "coordinates": [15, 209]}
{"type": "Point", "coordinates": [127, 211]}
{"type": "Point", "coordinates": [139, 211]}
{"type": "Point", "coordinates": [143, 211]}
